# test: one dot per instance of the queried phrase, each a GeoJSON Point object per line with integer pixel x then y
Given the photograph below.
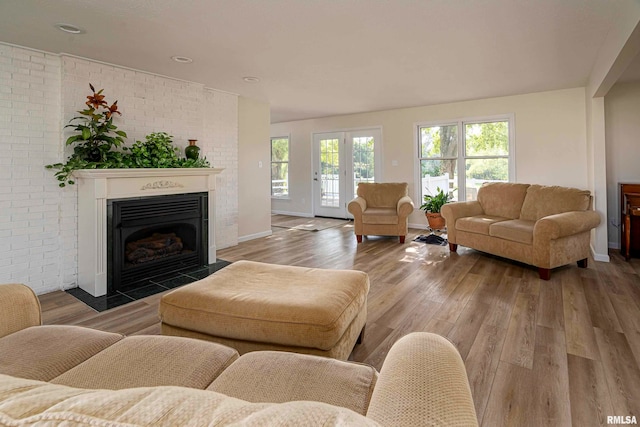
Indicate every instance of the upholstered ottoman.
{"type": "Point", "coordinates": [256, 306]}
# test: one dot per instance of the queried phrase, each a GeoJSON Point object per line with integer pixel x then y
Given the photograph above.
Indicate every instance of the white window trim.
{"type": "Point", "coordinates": [460, 122]}
{"type": "Point", "coordinates": [288, 138]}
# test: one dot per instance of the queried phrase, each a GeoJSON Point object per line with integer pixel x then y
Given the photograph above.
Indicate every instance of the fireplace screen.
{"type": "Point", "coordinates": [151, 236]}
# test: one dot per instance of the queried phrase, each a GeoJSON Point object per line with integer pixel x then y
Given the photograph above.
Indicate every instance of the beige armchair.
{"type": "Point", "coordinates": [381, 209]}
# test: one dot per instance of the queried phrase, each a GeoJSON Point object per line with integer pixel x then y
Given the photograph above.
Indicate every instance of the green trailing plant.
{"type": "Point", "coordinates": [97, 140]}
{"type": "Point", "coordinates": [158, 151]}
{"type": "Point", "coordinates": [433, 203]}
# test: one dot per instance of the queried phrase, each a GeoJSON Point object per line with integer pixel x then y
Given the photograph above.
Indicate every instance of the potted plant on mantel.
{"type": "Point", "coordinates": [431, 207]}
{"type": "Point", "coordinates": [97, 141]}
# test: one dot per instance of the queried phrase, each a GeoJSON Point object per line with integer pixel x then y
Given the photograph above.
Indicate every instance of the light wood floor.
{"type": "Point", "coordinates": [558, 353]}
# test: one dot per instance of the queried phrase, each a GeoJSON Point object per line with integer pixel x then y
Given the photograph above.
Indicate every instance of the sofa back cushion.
{"type": "Point", "coordinates": [383, 195]}
{"type": "Point", "coordinates": [502, 199]}
{"type": "Point", "coordinates": [544, 200]}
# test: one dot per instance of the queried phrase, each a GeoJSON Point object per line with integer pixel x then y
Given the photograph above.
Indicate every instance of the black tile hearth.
{"type": "Point", "coordinates": [175, 282]}
{"type": "Point", "coordinates": [100, 303]}
{"type": "Point", "coordinates": [147, 288]}
{"type": "Point", "coordinates": [145, 291]}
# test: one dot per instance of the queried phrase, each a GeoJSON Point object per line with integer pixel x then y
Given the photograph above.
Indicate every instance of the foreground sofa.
{"type": "Point", "coordinates": [544, 226]}
{"type": "Point", "coordinates": [69, 375]}
{"type": "Point", "coordinates": [381, 209]}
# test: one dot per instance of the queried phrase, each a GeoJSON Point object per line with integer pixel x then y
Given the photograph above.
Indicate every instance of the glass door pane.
{"type": "Point", "coordinates": [330, 172]}
{"type": "Point", "coordinates": [363, 161]}
{"type": "Point", "coordinates": [328, 175]}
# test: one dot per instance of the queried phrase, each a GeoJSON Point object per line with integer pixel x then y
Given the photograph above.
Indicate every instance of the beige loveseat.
{"type": "Point", "coordinates": [381, 209]}
{"type": "Point", "coordinates": [52, 375]}
{"type": "Point", "coordinates": [544, 226]}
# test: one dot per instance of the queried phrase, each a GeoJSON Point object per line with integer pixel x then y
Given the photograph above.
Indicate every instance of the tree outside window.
{"type": "Point", "coordinates": [280, 166]}
{"type": "Point", "coordinates": [480, 148]}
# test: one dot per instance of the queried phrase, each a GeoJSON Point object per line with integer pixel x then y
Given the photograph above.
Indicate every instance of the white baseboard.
{"type": "Point", "coordinates": [301, 214]}
{"type": "Point", "coordinates": [255, 236]}
{"type": "Point", "coordinates": [599, 257]}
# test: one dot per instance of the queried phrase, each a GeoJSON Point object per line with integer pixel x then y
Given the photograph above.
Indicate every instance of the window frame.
{"type": "Point", "coordinates": [272, 162]}
{"type": "Point", "coordinates": [462, 157]}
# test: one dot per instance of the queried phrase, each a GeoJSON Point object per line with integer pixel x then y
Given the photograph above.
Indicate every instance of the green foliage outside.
{"type": "Point", "coordinates": [279, 166]}
{"type": "Point", "coordinates": [363, 159]}
{"type": "Point", "coordinates": [329, 157]}
{"type": "Point", "coordinates": [482, 139]}
{"type": "Point", "coordinates": [488, 169]}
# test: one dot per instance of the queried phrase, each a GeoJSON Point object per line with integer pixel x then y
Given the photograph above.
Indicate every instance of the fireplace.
{"type": "Point", "coordinates": [98, 188]}
{"type": "Point", "coordinates": [151, 236]}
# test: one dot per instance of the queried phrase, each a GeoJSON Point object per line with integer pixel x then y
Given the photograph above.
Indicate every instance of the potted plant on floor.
{"type": "Point", "coordinates": [432, 205]}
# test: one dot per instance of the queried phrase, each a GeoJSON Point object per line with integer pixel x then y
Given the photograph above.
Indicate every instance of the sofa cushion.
{"type": "Point", "coordinates": [145, 361]}
{"type": "Point", "coordinates": [503, 199]}
{"type": "Point", "coordinates": [478, 224]}
{"type": "Point", "coordinates": [273, 376]}
{"type": "Point", "coordinates": [516, 230]}
{"type": "Point", "coordinates": [380, 216]}
{"type": "Point", "coordinates": [543, 201]}
{"type": "Point", "coordinates": [44, 352]}
{"type": "Point", "coordinates": [27, 402]}
{"type": "Point", "coordinates": [382, 195]}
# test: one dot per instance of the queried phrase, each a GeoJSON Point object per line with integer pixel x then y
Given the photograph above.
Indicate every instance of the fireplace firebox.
{"type": "Point", "coordinates": [151, 236]}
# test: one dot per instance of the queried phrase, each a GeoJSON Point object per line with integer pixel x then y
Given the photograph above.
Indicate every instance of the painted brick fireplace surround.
{"type": "Point", "coordinates": [39, 93]}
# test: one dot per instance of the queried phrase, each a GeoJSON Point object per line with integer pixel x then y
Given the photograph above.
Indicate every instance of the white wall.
{"type": "Point", "coordinates": [33, 223]}
{"type": "Point", "coordinates": [39, 93]}
{"type": "Point", "coordinates": [622, 109]}
{"type": "Point", "coordinates": [254, 180]}
{"type": "Point", "coordinates": [550, 139]}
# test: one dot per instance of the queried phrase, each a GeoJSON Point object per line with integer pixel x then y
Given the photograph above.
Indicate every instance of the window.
{"type": "Point", "coordinates": [459, 157]}
{"type": "Point", "coordinates": [280, 166]}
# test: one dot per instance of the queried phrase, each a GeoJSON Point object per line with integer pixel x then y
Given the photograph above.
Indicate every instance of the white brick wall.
{"type": "Point", "coordinates": [39, 94]}
{"type": "Point", "coordinates": [31, 247]}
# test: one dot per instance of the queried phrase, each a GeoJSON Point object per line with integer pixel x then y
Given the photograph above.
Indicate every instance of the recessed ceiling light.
{"type": "Point", "coordinates": [68, 28]}
{"type": "Point", "coordinates": [182, 59]}
{"type": "Point", "coordinates": [250, 79]}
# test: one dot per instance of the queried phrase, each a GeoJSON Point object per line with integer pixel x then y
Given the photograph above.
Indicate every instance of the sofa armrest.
{"type": "Point", "coordinates": [405, 207]}
{"type": "Point", "coordinates": [452, 211]}
{"type": "Point", "coordinates": [19, 308]}
{"type": "Point", "coordinates": [357, 206]}
{"type": "Point", "coordinates": [422, 382]}
{"type": "Point", "coordinates": [565, 224]}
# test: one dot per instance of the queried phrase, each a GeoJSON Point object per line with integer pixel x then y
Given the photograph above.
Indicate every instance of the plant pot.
{"type": "Point", "coordinates": [435, 220]}
{"type": "Point", "coordinates": [94, 155]}
{"type": "Point", "coordinates": [192, 151]}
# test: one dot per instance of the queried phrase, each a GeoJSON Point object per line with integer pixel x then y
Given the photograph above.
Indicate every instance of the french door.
{"type": "Point", "coordinates": [341, 160]}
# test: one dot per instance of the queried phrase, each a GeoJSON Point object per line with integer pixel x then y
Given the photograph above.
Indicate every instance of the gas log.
{"type": "Point", "coordinates": [156, 246]}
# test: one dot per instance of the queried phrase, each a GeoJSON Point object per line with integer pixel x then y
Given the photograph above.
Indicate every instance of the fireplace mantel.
{"type": "Point", "coordinates": [96, 186]}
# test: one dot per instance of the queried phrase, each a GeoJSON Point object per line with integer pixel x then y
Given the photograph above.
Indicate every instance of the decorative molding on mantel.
{"type": "Point", "coordinates": [161, 184]}
{"type": "Point", "coordinates": [96, 186]}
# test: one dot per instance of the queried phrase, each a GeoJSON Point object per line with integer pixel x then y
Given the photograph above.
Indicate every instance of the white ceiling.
{"type": "Point", "coordinates": [318, 58]}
